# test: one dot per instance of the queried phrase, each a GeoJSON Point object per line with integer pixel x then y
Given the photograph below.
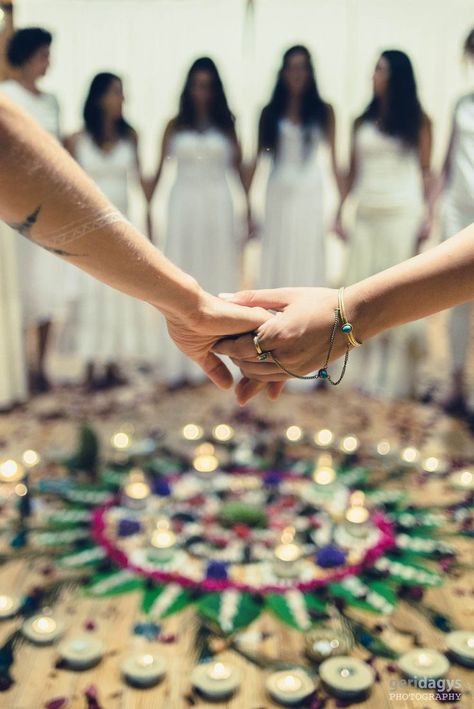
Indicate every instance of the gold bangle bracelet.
{"type": "Point", "coordinates": [347, 327]}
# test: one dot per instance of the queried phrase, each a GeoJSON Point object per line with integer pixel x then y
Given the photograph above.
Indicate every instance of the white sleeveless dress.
{"type": "Point", "coordinates": [112, 327]}
{"type": "Point", "coordinates": [389, 195]}
{"type": "Point", "coordinates": [293, 250]}
{"type": "Point", "coordinates": [28, 282]}
{"type": "Point", "coordinates": [458, 214]}
{"type": "Point", "coordinates": [201, 233]}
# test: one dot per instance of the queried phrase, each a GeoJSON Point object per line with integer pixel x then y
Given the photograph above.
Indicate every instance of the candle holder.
{"type": "Point", "coordinates": [287, 555]}
{"type": "Point", "coordinates": [42, 629]}
{"type": "Point", "coordinates": [462, 480]}
{"type": "Point", "coordinates": [162, 542]}
{"type": "Point", "coordinates": [460, 644]}
{"type": "Point", "coordinates": [143, 670]}
{"type": "Point", "coordinates": [423, 663]}
{"type": "Point", "coordinates": [321, 643]}
{"type": "Point", "coordinates": [82, 652]}
{"type": "Point", "coordinates": [215, 680]}
{"type": "Point", "coordinates": [9, 606]}
{"type": "Point", "coordinates": [347, 677]}
{"type": "Point", "coordinates": [357, 517]}
{"type": "Point", "coordinates": [136, 490]}
{"type": "Point", "coordinates": [290, 687]}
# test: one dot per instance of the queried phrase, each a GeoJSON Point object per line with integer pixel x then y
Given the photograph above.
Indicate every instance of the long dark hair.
{"type": "Point", "coordinates": [220, 114]}
{"type": "Point", "coordinates": [93, 113]}
{"type": "Point", "coordinates": [404, 116]}
{"type": "Point", "coordinates": [313, 110]}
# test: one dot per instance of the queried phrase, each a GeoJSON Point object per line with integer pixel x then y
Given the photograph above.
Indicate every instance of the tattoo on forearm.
{"type": "Point", "coordinates": [24, 228]}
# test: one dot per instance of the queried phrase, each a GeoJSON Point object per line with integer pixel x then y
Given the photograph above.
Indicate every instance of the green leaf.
{"type": "Point", "coordinates": [174, 598]}
{"type": "Point", "coordinates": [279, 605]}
{"type": "Point", "coordinates": [113, 584]}
{"type": "Point", "coordinates": [248, 609]}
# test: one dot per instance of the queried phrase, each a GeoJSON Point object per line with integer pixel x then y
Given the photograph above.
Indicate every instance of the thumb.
{"type": "Point", "coordinates": [273, 299]}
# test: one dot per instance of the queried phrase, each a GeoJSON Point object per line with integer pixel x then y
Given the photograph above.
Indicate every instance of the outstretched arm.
{"type": "Point", "coordinates": [47, 198]}
{"type": "Point", "coordinates": [299, 333]}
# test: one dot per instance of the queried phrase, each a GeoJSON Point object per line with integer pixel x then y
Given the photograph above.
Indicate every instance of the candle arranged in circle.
{"type": "Point", "coordinates": [347, 677]}
{"type": "Point", "coordinates": [287, 554]}
{"type": "Point", "coordinates": [323, 438]}
{"type": "Point", "coordinates": [42, 629]}
{"type": "Point", "coordinates": [205, 459]}
{"type": "Point", "coordinates": [223, 433]}
{"type": "Point", "coordinates": [462, 480]}
{"type": "Point", "coordinates": [324, 473]}
{"type": "Point", "coordinates": [11, 471]}
{"type": "Point", "coordinates": [136, 490]}
{"type": "Point", "coordinates": [143, 670]}
{"type": "Point", "coordinates": [289, 687]}
{"type": "Point", "coordinates": [216, 680]}
{"type": "Point", "coordinates": [81, 652]}
{"type": "Point", "coordinates": [460, 644]}
{"type": "Point", "coordinates": [162, 541]}
{"type": "Point", "coordinates": [424, 663]}
{"type": "Point", "coordinates": [349, 444]}
{"type": "Point", "coordinates": [9, 605]}
{"type": "Point", "coordinates": [357, 515]}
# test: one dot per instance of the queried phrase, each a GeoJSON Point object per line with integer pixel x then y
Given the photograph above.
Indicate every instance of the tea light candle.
{"type": "Point", "coordinates": [323, 438]}
{"type": "Point", "coordinates": [432, 464]}
{"type": "Point", "coordinates": [136, 490]}
{"type": "Point", "coordinates": [349, 444]}
{"type": "Point", "coordinates": [410, 455]}
{"type": "Point", "coordinates": [347, 677]}
{"type": "Point", "coordinates": [357, 515]}
{"type": "Point", "coordinates": [206, 462]}
{"type": "Point", "coordinates": [290, 687]}
{"type": "Point", "coordinates": [121, 441]}
{"type": "Point", "coordinates": [384, 449]}
{"type": "Point", "coordinates": [144, 670]}
{"type": "Point", "coordinates": [294, 434]}
{"type": "Point", "coordinates": [30, 458]}
{"type": "Point", "coordinates": [215, 680]}
{"type": "Point", "coordinates": [223, 433]}
{"type": "Point", "coordinates": [460, 644]}
{"type": "Point", "coordinates": [11, 471]}
{"type": "Point", "coordinates": [82, 652]}
{"type": "Point", "coordinates": [423, 663]}
{"type": "Point", "coordinates": [287, 555]}
{"type": "Point", "coordinates": [462, 480]}
{"type": "Point", "coordinates": [42, 629]}
{"type": "Point", "coordinates": [323, 642]}
{"type": "Point", "coordinates": [9, 605]}
{"type": "Point", "coordinates": [163, 542]}
{"type": "Point", "coordinates": [324, 473]}
{"type": "Point", "coordinates": [192, 432]}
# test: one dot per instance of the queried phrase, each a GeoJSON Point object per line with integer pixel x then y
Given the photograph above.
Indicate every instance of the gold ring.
{"type": "Point", "coordinates": [261, 355]}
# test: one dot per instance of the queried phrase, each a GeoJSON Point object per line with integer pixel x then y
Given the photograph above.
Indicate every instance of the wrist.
{"type": "Point", "coordinates": [361, 313]}
{"type": "Point", "coordinates": [184, 302]}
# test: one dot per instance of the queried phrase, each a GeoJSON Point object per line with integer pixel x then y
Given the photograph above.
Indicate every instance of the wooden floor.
{"type": "Point", "coordinates": [51, 422]}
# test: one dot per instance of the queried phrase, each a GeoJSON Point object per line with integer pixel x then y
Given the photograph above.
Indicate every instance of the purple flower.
{"type": "Point", "coordinates": [330, 556]}
{"type": "Point", "coordinates": [217, 570]}
{"type": "Point", "coordinates": [127, 527]}
{"type": "Point", "coordinates": [161, 487]}
{"type": "Point", "coordinates": [273, 477]}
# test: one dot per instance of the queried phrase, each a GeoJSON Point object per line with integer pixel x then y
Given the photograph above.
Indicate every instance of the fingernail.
{"type": "Point", "coordinates": [226, 296]}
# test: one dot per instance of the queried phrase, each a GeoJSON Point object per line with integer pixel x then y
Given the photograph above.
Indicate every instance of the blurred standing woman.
{"type": "Point", "coordinates": [112, 327]}
{"type": "Point", "coordinates": [28, 53]}
{"type": "Point", "coordinates": [292, 127]}
{"type": "Point", "coordinates": [389, 177]}
{"type": "Point", "coordinates": [202, 237]}
{"type": "Point", "coordinates": [458, 176]}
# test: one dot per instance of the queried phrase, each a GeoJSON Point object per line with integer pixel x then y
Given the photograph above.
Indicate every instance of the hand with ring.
{"type": "Point", "coordinates": [297, 335]}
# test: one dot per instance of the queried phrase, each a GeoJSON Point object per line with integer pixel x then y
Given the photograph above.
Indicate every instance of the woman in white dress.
{"type": "Point", "coordinates": [28, 53]}
{"type": "Point", "coordinates": [388, 176]}
{"type": "Point", "coordinates": [112, 327]}
{"type": "Point", "coordinates": [292, 127]}
{"type": "Point", "coordinates": [458, 177]}
{"type": "Point", "coordinates": [202, 237]}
